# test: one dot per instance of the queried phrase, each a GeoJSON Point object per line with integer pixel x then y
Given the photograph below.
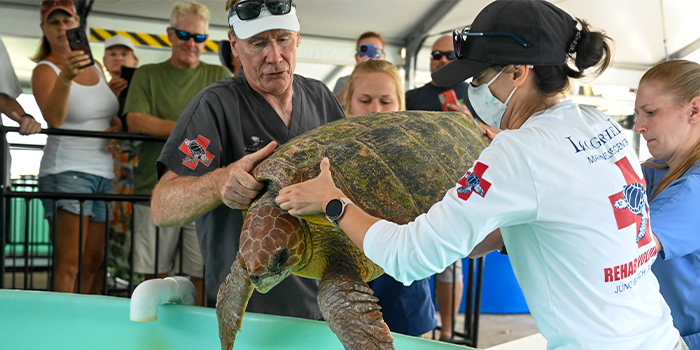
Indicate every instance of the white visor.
{"type": "Point", "coordinates": [266, 21]}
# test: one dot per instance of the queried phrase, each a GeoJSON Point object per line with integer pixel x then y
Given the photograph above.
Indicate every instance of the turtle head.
{"type": "Point", "coordinates": [272, 244]}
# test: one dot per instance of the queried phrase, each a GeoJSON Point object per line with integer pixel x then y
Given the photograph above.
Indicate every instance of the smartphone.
{"type": "Point", "coordinates": [446, 97]}
{"type": "Point", "coordinates": [368, 50]}
{"type": "Point", "coordinates": [78, 40]}
{"type": "Point", "coordinates": [126, 73]}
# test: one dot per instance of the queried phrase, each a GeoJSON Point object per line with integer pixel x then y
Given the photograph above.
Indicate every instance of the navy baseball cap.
{"type": "Point", "coordinates": [533, 32]}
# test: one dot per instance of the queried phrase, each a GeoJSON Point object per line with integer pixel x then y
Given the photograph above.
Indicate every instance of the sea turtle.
{"type": "Point", "coordinates": [393, 165]}
{"type": "Point", "coordinates": [634, 198]}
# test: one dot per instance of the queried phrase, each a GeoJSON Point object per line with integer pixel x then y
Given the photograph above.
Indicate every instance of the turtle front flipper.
{"type": "Point", "coordinates": [231, 302]}
{"type": "Point", "coordinates": [352, 312]}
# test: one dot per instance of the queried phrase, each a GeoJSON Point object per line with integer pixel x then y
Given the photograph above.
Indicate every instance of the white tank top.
{"type": "Point", "coordinates": [89, 108]}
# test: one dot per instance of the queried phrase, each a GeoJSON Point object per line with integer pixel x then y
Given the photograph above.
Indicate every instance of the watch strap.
{"type": "Point", "coordinates": [344, 201]}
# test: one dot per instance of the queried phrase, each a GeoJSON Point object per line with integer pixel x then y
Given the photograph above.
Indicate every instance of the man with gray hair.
{"type": "Point", "coordinates": [235, 123]}
{"type": "Point", "coordinates": [158, 94]}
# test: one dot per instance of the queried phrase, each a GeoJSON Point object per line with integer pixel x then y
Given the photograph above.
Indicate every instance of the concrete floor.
{"type": "Point", "coordinates": [496, 329]}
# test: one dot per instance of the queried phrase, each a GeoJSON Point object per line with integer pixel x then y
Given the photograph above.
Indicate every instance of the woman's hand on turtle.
{"type": "Point", "coordinates": [490, 131]}
{"type": "Point", "coordinates": [71, 68]}
{"type": "Point", "coordinates": [310, 197]}
{"type": "Point", "coordinates": [240, 187]}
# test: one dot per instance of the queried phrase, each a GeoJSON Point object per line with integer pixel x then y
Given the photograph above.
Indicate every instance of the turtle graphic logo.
{"type": "Point", "coordinates": [473, 182]}
{"type": "Point", "coordinates": [196, 151]}
{"type": "Point", "coordinates": [256, 140]}
{"type": "Point", "coordinates": [630, 205]}
{"type": "Point", "coordinates": [634, 198]}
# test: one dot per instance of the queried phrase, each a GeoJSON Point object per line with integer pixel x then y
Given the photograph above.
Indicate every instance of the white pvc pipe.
{"type": "Point", "coordinates": [149, 294]}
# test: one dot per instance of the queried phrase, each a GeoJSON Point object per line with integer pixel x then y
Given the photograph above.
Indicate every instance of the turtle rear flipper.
{"type": "Point", "coordinates": [352, 312]}
{"type": "Point", "coordinates": [231, 302]}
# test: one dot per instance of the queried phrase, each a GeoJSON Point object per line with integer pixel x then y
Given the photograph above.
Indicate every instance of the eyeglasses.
{"type": "Point", "coordinates": [184, 36]}
{"type": "Point", "coordinates": [461, 37]}
{"type": "Point", "coordinates": [437, 55]}
{"type": "Point", "coordinates": [246, 10]}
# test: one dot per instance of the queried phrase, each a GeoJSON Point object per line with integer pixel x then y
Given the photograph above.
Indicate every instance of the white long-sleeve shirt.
{"type": "Point", "coordinates": [562, 190]}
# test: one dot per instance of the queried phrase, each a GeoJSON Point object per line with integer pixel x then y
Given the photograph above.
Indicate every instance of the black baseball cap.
{"type": "Point", "coordinates": [546, 29]}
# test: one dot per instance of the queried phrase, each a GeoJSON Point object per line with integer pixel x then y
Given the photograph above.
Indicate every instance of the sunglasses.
{"type": "Point", "coordinates": [460, 39]}
{"type": "Point", "coordinates": [437, 55]}
{"type": "Point", "coordinates": [246, 10]}
{"type": "Point", "coordinates": [185, 36]}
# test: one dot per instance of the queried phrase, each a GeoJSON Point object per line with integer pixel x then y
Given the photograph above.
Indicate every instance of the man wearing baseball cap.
{"type": "Point", "coordinates": [119, 52]}
{"type": "Point", "coordinates": [235, 123]}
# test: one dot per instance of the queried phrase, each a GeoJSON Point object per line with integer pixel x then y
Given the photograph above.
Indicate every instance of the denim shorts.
{"type": "Point", "coordinates": [76, 182]}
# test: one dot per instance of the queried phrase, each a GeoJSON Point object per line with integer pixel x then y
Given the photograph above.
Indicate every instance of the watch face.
{"type": "Point", "coordinates": [334, 208]}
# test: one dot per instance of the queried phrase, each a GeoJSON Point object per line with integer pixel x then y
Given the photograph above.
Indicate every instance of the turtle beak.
{"type": "Point", "coordinates": [275, 271]}
{"type": "Point", "coordinates": [264, 282]}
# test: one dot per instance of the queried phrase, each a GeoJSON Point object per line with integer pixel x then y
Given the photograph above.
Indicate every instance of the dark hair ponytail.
{"type": "Point", "coordinates": [586, 48]}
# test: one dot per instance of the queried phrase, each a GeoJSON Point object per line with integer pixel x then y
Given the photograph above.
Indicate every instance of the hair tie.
{"type": "Point", "coordinates": [572, 46]}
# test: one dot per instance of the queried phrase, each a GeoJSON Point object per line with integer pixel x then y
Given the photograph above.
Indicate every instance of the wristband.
{"type": "Point", "coordinates": [27, 115]}
{"type": "Point", "coordinates": [63, 81]}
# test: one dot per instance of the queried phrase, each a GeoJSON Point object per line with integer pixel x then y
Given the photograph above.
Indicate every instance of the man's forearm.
{"type": "Point", "coordinates": [144, 124]}
{"type": "Point", "coordinates": [179, 200]}
{"type": "Point", "coordinates": [9, 105]}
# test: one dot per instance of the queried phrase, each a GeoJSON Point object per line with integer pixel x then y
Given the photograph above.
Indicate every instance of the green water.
{"type": "Point", "coordinates": [57, 321]}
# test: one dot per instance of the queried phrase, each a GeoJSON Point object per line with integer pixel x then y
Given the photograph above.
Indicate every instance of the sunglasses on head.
{"type": "Point", "coordinates": [184, 36]}
{"type": "Point", "coordinates": [437, 55]}
{"type": "Point", "coordinates": [460, 39]}
{"type": "Point", "coordinates": [250, 9]}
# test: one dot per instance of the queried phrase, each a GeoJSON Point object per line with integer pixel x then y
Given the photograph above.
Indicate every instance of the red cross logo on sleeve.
{"type": "Point", "coordinates": [630, 205]}
{"type": "Point", "coordinates": [196, 151]}
{"type": "Point", "coordinates": [473, 182]}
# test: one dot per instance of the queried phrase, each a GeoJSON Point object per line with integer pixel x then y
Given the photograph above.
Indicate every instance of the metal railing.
{"type": "Point", "coordinates": [472, 307]}
{"type": "Point", "coordinates": [20, 253]}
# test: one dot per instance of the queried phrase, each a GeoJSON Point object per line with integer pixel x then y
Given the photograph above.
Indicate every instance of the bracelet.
{"type": "Point", "coordinates": [27, 115]}
{"type": "Point", "coordinates": [63, 81]}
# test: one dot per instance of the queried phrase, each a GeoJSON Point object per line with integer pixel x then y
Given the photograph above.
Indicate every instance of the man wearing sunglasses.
{"type": "Point", "coordinates": [426, 98]}
{"type": "Point", "coordinates": [157, 95]}
{"type": "Point", "coordinates": [236, 123]}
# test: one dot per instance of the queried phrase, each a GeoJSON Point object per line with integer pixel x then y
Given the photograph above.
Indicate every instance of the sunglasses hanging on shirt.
{"type": "Point", "coordinates": [437, 55]}
{"type": "Point", "coordinates": [246, 10]}
{"type": "Point", "coordinates": [184, 36]}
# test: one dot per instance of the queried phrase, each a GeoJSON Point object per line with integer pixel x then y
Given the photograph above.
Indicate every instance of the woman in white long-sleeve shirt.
{"type": "Point", "coordinates": [561, 182]}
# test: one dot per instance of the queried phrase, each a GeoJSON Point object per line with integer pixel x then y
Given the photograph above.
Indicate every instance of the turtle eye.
{"type": "Point", "coordinates": [280, 260]}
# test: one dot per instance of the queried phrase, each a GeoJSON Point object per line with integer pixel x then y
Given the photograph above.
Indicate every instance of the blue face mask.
{"type": "Point", "coordinates": [485, 106]}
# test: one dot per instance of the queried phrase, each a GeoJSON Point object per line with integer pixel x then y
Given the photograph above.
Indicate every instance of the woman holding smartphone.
{"type": "Point", "coordinates": [72, 94]}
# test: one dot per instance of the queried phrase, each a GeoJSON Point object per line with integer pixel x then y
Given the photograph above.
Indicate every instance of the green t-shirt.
{"type": "Point", "coordinates": [163, 91]}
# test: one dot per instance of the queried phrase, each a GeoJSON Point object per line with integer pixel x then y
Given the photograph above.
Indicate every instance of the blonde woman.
{"type": "Point", "coordinates": [374, 86]}
{"type": "Point", "coordinates": [668, 111]}
{"type": "Point", "coordinates": [72, 96]}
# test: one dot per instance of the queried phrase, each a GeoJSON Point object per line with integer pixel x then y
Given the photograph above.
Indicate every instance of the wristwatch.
{"type": "Point", "coordinates": [336, 208]}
